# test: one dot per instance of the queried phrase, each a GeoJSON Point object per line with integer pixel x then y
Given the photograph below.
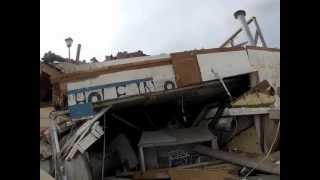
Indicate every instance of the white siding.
{"type": "Point", "coordinates": [267, 63]}
{"type": "Point", "coordinates": [159, 75]}
{"type": "Point", "coordinates": [226, 64]}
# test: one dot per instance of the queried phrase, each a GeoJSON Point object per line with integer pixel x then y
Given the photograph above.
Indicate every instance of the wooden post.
{"type": "Point", "coordinates": [143, 167]}
{"type": "Point", "coordinates": [78, 53]}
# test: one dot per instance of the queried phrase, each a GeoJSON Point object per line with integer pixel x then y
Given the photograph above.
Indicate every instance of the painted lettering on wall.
{"type": "Point", "coordinates": [117, 90]}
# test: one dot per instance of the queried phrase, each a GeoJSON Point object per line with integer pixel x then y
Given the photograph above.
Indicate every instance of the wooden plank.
{"type": "Point", "coordinates": [81, 131]}
{"type": "Point", "coordinates": [264, 177]}
{"type": "Point", "coordinates": [198, 165]}
{"type": "Point", "coordinates": [245, 111]}
{"type": "Point", "coordinates": [176, 137]}
{"type": "Point", "coordinates": [152, 137]}
{"type": "Point", "coordinates": [163, 173]}
{"type": "Point", "coordinates": [219, 172]}
{"type": "Point", "coordinates": [240, 160]}
{"type": "Point", "coordinates": [152, 174]}
{"type": "Point", "coordinates": [187, 70]}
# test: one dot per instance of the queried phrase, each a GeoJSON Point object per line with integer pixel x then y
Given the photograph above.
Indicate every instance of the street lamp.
{"type": "Point", "coordinates": [69, 42]}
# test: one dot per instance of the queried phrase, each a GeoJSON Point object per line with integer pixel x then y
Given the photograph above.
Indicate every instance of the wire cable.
{"type": "Point", "coordinates": [268, 154]}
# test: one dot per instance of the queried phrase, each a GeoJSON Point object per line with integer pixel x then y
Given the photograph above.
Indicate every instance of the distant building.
{"type": "Point", "coordinates": [125, 54]}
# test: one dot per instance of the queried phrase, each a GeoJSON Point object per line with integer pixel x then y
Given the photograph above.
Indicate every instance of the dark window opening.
{"type": "Point", "coordinates": [45, 89]}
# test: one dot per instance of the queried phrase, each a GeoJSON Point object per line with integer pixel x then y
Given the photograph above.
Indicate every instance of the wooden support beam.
{"type": "Point", "coordinates": [265, 166]}
{"type": "Point", "coordinates": [245, 111]}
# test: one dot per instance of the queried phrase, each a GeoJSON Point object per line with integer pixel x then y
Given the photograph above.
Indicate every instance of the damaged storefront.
{"type": "Point", "coordinates": [199, 114]}
{"type": "Point", "coordinates": [158, 116]}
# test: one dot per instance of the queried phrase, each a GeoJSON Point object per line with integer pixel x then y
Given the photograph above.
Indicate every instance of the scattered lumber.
{"type": "Point", "coordinates": [240, 160]}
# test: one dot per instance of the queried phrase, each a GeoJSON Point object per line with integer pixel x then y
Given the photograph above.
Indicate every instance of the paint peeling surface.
{"type": "Point", "coordinates": [121, 84]}
{"type": "Point", "coordinates": [267, 63]}
{"type": "Point", "coordinates": [226, 64]}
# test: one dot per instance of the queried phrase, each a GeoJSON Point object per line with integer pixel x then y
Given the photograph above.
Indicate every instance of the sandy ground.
{"type": "Point", "coordinates": [44, 116]}
{"type": "Point", "coordinates": [45, 176]}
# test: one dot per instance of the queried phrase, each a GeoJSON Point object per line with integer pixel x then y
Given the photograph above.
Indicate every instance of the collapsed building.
{"type": "Point", "coordinates": [165, 116]}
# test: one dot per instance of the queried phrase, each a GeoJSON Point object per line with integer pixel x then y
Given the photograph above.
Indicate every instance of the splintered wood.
{"type": "Point", "coordinates": [201, 171]}
{"type": "Point", "coordinates": [217, 172]}
{"type": "Point", "coordinates": [84, 143]}
{"type": "Point", "coordinates": [84, 137]}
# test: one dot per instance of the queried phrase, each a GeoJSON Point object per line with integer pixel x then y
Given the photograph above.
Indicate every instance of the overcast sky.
{"type": "Point", "coordinates": [104, 27]}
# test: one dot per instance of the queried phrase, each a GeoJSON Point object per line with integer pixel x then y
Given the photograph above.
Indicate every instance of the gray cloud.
{"type": "Point", "coordinates": [160, 26]}
{"type": "Point", "coordinates": [167, 26]}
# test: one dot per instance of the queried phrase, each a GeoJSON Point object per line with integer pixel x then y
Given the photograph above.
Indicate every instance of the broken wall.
{"type": "Point", "coordinates": [135, 76]}
{"type": "Point", "coordinates": [267, 62]}
{"type": "Point", "coordinates": [226, 64]}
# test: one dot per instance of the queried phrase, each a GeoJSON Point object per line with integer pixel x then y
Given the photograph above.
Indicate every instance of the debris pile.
{"type": "Point", "coordinates": [200, 114]}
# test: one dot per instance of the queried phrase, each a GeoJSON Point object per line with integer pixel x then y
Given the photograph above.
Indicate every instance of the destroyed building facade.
{"type": "Point", "coordinates": [164, 116]}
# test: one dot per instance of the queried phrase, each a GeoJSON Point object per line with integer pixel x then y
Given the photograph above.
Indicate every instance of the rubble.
{"type": "Point", "coordinates": [121, 146]}
{"type": "Point", "coordinates": [260, 95]}
{"type": "Point", "coordinates": [219, 172]}
{"type": "Point", "coordinates": [45, 149]}
{"type": "Point", "coordinates": [71, 146]}
{"type": "Point", "coordinates": [202, 114]}
{"type": "Point", "coordinates": [244, 161]}
{"type": "Point", "coordinates": [45, 176]}
{"type": "Point", "coordinates": [174, 138]}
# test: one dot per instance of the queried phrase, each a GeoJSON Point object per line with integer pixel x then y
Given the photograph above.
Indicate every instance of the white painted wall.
{"type": "Point", "coordinates": [267, 63]}
{"type": "Point", "coordinates": [226, 64]}
{"type": "Point", "coordinates": [160, 75]}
